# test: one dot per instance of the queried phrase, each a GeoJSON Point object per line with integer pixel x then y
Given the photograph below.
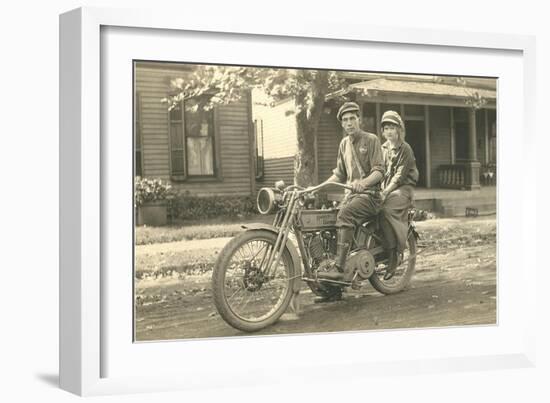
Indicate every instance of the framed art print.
{"type": "Point", "coordinates": [174, 133]}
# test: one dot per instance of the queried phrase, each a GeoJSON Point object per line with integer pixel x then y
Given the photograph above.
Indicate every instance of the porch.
{"type": "Point", "coordinates": [451, 202]}
{"type": "Point", "coordinates": [454, 202]}
{"type": "Point", "coordinates": [452, 136]}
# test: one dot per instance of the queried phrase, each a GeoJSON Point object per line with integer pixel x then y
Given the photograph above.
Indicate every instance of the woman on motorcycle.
{"type": "Point", "coordinates": [398, 185]}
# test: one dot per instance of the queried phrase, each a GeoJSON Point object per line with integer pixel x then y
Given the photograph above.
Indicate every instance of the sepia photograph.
{"type": "Point", "coordinates": [272, 200]}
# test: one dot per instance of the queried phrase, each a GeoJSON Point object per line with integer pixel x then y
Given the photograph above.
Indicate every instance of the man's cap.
{"type": "Point", "coordinates": [347, 107]}
{"type": "Point", "coordinates": [392, 117]}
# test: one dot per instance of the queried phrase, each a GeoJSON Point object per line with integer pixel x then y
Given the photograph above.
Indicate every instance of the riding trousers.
{"type": "Point", "coordinates": [356, 208]}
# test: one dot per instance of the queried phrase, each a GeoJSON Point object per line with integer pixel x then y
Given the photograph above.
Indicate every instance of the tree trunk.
{"type": "Point", "coordinates": [310, 105]}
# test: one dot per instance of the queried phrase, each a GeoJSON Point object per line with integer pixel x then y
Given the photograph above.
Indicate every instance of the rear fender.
{"type": "Point", "coordinates": [289, 245]}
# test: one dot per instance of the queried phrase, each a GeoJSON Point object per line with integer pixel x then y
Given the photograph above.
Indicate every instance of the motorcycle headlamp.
{"type": "Point", "coordinates": [268, 200]}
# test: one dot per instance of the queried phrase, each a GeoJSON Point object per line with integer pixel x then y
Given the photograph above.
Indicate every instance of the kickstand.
{"type": "Point", "coordinates": [295, 305]}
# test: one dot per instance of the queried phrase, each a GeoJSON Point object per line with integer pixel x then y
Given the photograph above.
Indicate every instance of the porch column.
{"type": "Point", "coordinates": [473, 166]}
{"type": "Point", "coordinates": [427, 145]}
{"type": "Point", "coordinates": [472, 135]}
{"type": "Point", "coordinates": [453, 152]}
{"type": "Point", "coordinates": [378, 118]}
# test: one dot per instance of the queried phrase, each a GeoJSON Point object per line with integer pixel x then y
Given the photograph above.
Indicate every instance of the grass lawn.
{"type": "Point", "coordinates": [189, 230]}
{"type": "Point", "coordinates": [437, 236]}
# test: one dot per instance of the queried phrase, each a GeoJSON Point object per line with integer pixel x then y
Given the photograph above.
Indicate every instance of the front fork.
{"type": "Point", "coordinates": [282, 237]}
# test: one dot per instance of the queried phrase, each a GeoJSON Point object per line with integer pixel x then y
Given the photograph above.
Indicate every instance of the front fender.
{"type": "Point", "coordinates": [289, 245]}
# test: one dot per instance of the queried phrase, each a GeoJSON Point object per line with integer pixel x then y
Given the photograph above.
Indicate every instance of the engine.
{"type": "Point", "coordinates": [321, 246]}
{"type": "Point", "coordinates": [322, 249]}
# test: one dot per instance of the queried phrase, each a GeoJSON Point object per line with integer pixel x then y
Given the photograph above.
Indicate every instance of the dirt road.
{"type": "Point", "coordinates": [454, 284]}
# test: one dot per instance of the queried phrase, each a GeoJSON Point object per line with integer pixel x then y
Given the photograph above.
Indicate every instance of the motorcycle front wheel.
{"type": "Point", "coordinates": [403, 272]}
{"type": "Point", "coordinates": [245, 296]}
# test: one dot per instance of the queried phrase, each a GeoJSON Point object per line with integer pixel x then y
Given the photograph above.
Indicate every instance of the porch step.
{"type": "Point", "coordinates": [453, 203]}
{"type": "Point", "coordinates": [448, 208]}
{"type": "Point", "coordinates": [474, 209]}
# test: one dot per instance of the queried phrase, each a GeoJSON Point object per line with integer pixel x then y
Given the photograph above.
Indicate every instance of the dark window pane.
{"type": "Point", "coordinates": [369, 117]}
{"type": "Point", "coordinates": [414, 110]}
{"type": "Point", "coordinates": [461, 140]}
{"type": "Point", "coordinates": [198, 122]}
{"type": "Point", "coordinates": [137, 135]}
{"type": "Point", "coordinates": [369, 124]}
{"type": "Point", "coordinates": [460, 114]}
{"type": "Point", "coordinates": [390, 107]}
{"type": "Point", "coordinates": [138, 138]}
{"type": "Point", "coordinates": [369, 109]}
{"type": "Point", "coordinates": [259, 147]}
{"type": "Point", "coordinates": [138, 164]}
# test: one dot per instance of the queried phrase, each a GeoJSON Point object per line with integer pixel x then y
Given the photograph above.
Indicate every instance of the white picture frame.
{"type": "Point", "coordinates": [87, 344]}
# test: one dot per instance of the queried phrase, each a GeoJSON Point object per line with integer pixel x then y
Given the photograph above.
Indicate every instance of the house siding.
{"type": "Point", "coordinates": [279, 142]}
{"type": "Point", "coordinates": [277, 169]}
{"type": "Point", "coordinates": [233, 138]}
{"type": "Point", "coordinates": [329, 136]}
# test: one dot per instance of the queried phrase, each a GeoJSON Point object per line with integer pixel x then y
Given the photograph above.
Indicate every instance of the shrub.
{"type": "Point", "coordinates": [150, 190]}
{"type": "Point", "coordinates": [185, 207]}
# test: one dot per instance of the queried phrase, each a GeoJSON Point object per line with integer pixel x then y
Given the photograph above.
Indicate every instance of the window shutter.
{"type": "Point", "coordinates": [138, 156]}
{"type": "Point", "coordinates": [177, 142]}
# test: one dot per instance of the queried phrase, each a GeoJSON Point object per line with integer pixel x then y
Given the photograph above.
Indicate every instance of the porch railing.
{"type": "Point", "coordinates": [466, 175]}
{"type": "Point", "coordinates": [452, 176]}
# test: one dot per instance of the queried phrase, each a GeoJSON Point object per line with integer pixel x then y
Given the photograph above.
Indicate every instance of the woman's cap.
{"type": "Point", "coordinates": [392, 117]}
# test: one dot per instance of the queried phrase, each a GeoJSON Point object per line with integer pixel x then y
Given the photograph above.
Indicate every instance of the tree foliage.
{"type": "Point", "coordinates": [221, 85]}
{"type": "Point", "coordinates": [226, 84]}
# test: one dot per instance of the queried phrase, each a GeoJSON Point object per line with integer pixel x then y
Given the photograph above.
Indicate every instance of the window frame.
{"type": "Point", "coordinates": [217, 175]}
{"type": "Point", "coordinates": [258, 131]}
{"type": "Point", "coordinates": [138, 135]}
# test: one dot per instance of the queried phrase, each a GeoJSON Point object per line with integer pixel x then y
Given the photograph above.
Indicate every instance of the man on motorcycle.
{"type": "Point", "coordinates": [360, 164]}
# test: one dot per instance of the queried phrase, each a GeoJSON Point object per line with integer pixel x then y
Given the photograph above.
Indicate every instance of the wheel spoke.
{"type": "Point", "coordinates": [256, 297]}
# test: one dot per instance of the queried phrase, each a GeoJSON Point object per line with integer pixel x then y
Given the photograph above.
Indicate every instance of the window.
{"type": "Point", "coordinates": [462, 129]}
{"type": "Point", "coordinates": [390, 107]}
{"type": "Point", "coordinates": [369, 117]}
{"type": "Point", "coordinates": [137, 136]}
{"type": "Point", "coordinates": [192, 140]}
{"type": "Point", "coordinates": [259, 147]}
{"type": "Point", "coordinates": [414, 112]}
{"type": "Point", "coordinates": [493, 137]}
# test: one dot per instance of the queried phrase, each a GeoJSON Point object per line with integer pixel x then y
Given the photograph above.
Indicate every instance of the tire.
{"type": "Point", "coordinates": [237, 274]}
{"type": "Point", "coordinates": [403, 272]}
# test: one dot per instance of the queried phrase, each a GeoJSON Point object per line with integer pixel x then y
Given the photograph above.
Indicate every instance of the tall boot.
{"type": "Point", "coordinates": [344, 240]}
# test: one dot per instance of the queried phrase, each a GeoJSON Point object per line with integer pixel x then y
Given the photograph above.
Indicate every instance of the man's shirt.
{"type": "Point", "coordinates": [369, 155]}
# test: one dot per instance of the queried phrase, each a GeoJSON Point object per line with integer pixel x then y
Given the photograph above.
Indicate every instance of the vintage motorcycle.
{"type": "Point", "coordinates": [259, 272]}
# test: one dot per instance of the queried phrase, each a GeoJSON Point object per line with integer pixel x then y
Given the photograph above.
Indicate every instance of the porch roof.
{"type": "Point", "coordinates": [384, 85]}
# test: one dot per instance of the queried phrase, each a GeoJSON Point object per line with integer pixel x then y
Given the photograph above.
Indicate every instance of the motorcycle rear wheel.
{"type": "Point", "coordinates": [403, 272]}
{"type": "Point", "coordinates": [243, 297]}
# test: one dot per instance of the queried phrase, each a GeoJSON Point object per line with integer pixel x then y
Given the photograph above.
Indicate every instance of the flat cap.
{"type": "Point", "coordinates": [347, 107]}
{"type": "Point", "coordinates": [392, 117]}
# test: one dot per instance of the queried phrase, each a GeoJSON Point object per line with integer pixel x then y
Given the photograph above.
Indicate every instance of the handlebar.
{"type": "Point", "coordinates": [323, 185]}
